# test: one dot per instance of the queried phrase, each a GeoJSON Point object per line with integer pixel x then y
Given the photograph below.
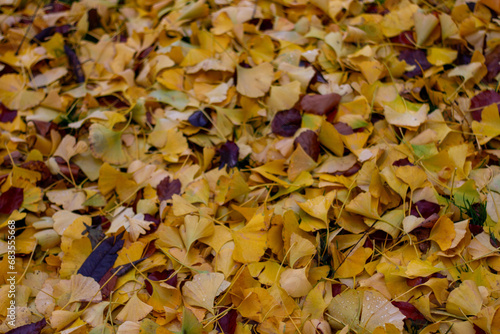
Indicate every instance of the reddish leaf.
{"type": "Point", "coordinates": [417, 58]}
{"type": "Point", "coordinates": [343, 129]}
{"type": "Point", "coordinates": [161, 276]}
{"type": "Point", "coordinates": [40, 167]}
{"type": "Point", "coordinates": [34, 328]}
{"type": "Point", "coordinates": [416, 281]}
{"type": "Point", "coordinates": [424, 208]}
{"type": "Point", "coordinates": [336, 289]}
{"type": "Point", "coordinates": [7, 115]}
{"type": "Point", "coordinates": [75, 64]}
{"type": "Point", "coordinates": [44, 128]}
{"type": "Point", "coordinates": [351, 171]}
{"type": "Point", "coordinates": [15, 157]}
{"type": "Point", "coordinates": [94, 19]}
{"type": "Point", "coordinates": [478, 330]}
{"type": "Point", "coordinates": [492, 62]}
{"type": "Point", "coordinates": [481, 100]}
{"type": "Point", "coordinates": [402, 162]}
{"type": "Point", "coordinates": [229, 155]}
{"type": "Point", "coordinates": [69, 172]}
{"type": "Point", "coordinates": [409, 311]}
{"type": "Point", "coordinates": [102, 258]}
{"type": "Point", "coordinates": [227, 323]}
{"type": "Point", "coordinates": [406, 38]}
{"type": "Point", "coordinates": [156, 221]}
{"type": "Point", "coordinates": [310, 143]}
{"type": "Point", "coordinates": [11, 200]}
{"type": "Point", "coordinates": [166, 188]}
{"type": "Point", "coordinates": [286, 122]}
{"type": "Point", "coordinates": [319, 104]}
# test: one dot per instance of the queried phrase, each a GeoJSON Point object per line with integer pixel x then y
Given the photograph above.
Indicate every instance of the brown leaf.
{"type": "Point", "coordinates": [320, 104]}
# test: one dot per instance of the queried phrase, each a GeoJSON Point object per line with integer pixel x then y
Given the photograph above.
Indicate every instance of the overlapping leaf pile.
{"type": "Point", "coordinates": [251, 166]}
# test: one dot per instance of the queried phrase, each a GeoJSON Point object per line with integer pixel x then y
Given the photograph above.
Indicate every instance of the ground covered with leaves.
{"type": "Point", "coordinates": [250, 166]}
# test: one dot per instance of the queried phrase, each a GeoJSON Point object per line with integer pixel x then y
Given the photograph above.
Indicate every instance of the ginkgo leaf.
{"type": "Point", "coordinates": [250, 241]}
{"type": "Point", "coordinates": [466, 300]}
{"type": "Point", "coordinates": [106, 144]}
{"type": "Point", "coordinates": [134, 310]}
{"type": "Point", "coordinates": [195, 228]}
{"type": "Point", "coordinates": [256, 81]}
{"type": "Point", "coordinates": [70, 199]}
{"type": "Point", "coordinates": [364, 204]}
{"type": "Point", "coordinates": [203, 289]}
{"type": "Point", "coordinates": [295, 283]}
{"type": "Point", "coordinates": [363, 311]}
{"type": "Point", "coordinates": [15, 95]}
{"type": "Point", "coordinates": [133, 223]}
{"type": "Point", "coordinates": [443, 232]}
{"type": "Point", "coordinates": [84, 289]}
{"type": "Point", "coordinates": [68, 148]}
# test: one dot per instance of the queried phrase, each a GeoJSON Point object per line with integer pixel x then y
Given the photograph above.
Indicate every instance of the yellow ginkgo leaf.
{"type": "Point", "coordinates": [15, 95]}
{"type": "Point", "coordinates": [203, 289]}
{"type": "Point", "coordinates": [251, 240]}
{"type": "Point", "coordinates": [466, 300]}
{"type": "Point", "coordinates": [135, 310]}
{"type": "Point", "coordinates": [299, 248]}
{"type": "Point", "coordinates": [413, 176]}
{"type": "Point", "coordinates": [353, 265]}
{"type": "Point", "coordinates": [295, 283]}
{"type": "Point", "coordinates": [256, 81]}
{"type": "Point", "coordinates": [364, 204]}
{"type": "Point", "coordinates": [419, 268]}
{"type": "Point", "coordinates": [363, 311]}
{"type": "Point", "coordinates": [84, 289]}
{"type": "Point", "coordinates": [443, 232]}
{"type": "Point", "coordinates": [106, 144]}
{"type": "Point", "coordinates": [195, 228]}
{"type": "Point", "coordinates": [318, 207]}
{"type": "Point", "coordinates": [300, 162]}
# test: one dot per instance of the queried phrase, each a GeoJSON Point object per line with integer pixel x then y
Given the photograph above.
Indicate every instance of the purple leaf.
{"type": "Point", "coordinates": [102, 258]}
{"type": "Point", "coordinates": [286, 122]}
{"type": "Point", "coordinates": [417, 58]}
{"type": "Point", "coordinates": [34, 328]}
{"type": "Point", "coordinates": [481, 100]}
{"type": "Point", "coordinates": [402, 162]}
{"type": "Point", "coordinates": [227, 324]}
{"type": "Point", "coordinates": [161, 276]}
{"type": "Point", "coordinates": [11, 200]}
{"type": "Point", "coordinates": [166, 188]}
{"type": "Point", "coordinates": [319, 104]}
{"type": "Point", "coordinates": [343, 128]}
{"type": "Point", "coordinates": [229, 155]}
{"type": "Point", "coordinates": [199, 119]}
{"type": "Point", "coordinates": [75, 64]}
{"type": "Point", "coordinates": [46, 33]}
{"type": "Point", "coordinates": [424, 208]}
{"type": "Point", "coordinates": [7, 115]}
{"type": "Point", "coordinates": [310, 143]}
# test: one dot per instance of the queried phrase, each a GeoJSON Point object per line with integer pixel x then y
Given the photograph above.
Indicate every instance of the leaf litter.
{"type": "Point", "coordinates": [240, 167]}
